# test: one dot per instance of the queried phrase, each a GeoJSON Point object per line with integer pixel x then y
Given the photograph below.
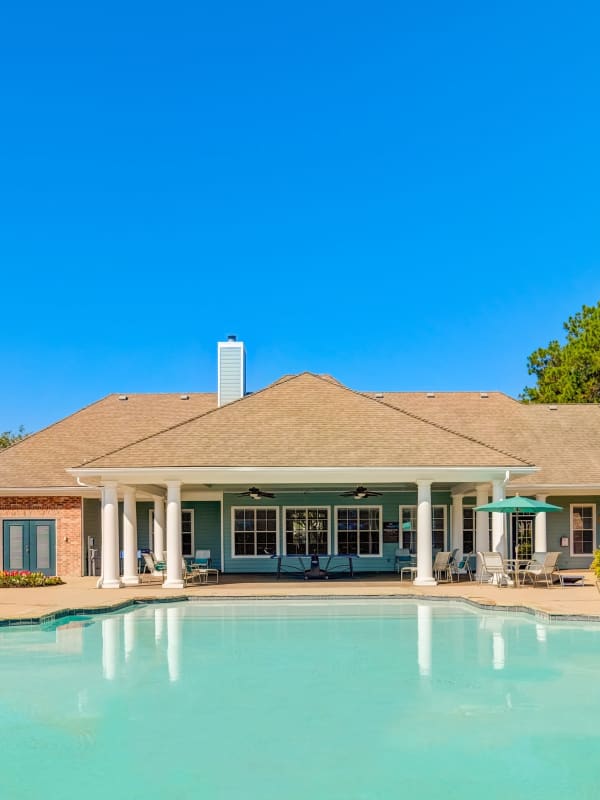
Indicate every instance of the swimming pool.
{"type": "Point", "coordinates": [307, 699]}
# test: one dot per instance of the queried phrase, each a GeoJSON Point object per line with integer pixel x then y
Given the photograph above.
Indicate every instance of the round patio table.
{"type": "Point", "coordinates": [516, 565]}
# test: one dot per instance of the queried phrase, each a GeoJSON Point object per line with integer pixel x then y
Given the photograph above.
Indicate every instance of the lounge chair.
{"type": "Point", "coordinates": [461, 566]}
{"type": "Point", "coordinates": [493, 566]}
{"type": "Point", "coordinates": [154, 567]}
{"type": "Point", "coordinates": [542, 567]}
{"type": "Point", "coordinates": [191, 573]}
{"type": "Point", "coordinates": [442, 565]}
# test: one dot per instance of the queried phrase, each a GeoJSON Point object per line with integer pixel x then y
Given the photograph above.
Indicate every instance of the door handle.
{"type": "Point", "coordinates": [27, 548]}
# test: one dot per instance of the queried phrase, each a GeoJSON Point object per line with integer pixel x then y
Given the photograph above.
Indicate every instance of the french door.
{"type": "Point", "coordinates": [30, 545]}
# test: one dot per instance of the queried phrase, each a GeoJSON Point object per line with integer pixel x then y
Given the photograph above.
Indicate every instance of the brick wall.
{"type": "Point", "coordinates": [66, 511]}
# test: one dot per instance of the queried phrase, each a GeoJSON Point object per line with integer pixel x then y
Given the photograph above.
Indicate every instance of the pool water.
{"type": "Point", "coordinates": [287, 700]}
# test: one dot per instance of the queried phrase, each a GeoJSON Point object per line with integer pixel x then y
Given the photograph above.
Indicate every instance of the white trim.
{"type": "Point", "coordinates": [255, 508]}
{"type": "Point", "coordinates": [299, 507]}
{"type": "Point", "coordinates": [358, 507]}
{"type": "Point", "coordinates": [582, 505]}
{"type": "Point", "coordinates": [222, 539]}
{"type": "Point", "coordinates": [200, 497]}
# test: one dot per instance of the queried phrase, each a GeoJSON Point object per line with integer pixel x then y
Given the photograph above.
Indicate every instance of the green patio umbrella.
{"type": "Point", "coordinates": [518, 504]}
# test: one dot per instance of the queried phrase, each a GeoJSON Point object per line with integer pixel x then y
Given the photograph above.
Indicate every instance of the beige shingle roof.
{"type": "Point", "coordinates": [563, 440]}
{"type": "Point", "coordinates": [41, 459]}
{"type": "Point", "coordinates": [307, 420]}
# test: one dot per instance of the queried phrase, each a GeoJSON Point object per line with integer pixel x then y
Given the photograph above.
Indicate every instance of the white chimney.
{"type": "Point", "coordinates": [232, 370]}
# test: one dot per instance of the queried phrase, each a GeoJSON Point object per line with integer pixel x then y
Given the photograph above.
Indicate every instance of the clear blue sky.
{"type": "Point", "coordinates": [404, 195]}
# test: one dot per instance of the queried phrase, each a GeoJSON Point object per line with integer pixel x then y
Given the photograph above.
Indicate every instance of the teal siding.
{"type": "Point", "coordinates": [558, 524]}
{"type": "Point", "coordinates": [207, 528]}
{"type": "Point", "coordinates": [390, 507]}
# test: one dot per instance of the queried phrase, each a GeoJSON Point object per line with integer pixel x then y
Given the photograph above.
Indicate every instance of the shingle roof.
{"type": "Point", "coordinates": [40, 460]}
{"type": "Point", "coordinates": [307, 420]}
{"type": "Point", "coordinates": [563, 439]}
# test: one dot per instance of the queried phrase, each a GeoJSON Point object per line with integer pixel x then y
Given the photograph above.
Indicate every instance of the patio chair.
{"type": "Point", "coordinates": [442, 565]}
{"type": "Point", "coordinates": [202, 563]}
{"type": "Point", "coordinates": [403, 558]}
{"type": "Point", "coordinates": [492, 565]}
{"type": "Point", "coordinates": [461, 565]}
{"type": "Point", "coordinates": [154, 567]}
{"type": "Point", "coordinates": [191, 573]}
{"type": "Point", "coordinates": [542, 567]}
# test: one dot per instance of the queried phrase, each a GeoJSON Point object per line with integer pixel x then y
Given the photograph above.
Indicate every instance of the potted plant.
{"type": "Point", "coordinates": [595, 567]}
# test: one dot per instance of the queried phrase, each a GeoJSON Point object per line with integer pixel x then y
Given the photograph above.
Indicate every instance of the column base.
{"type": "Point", "coordinates": [130, 580]}
{"type": "Point", "coordinates": [424, 582]}
{"type": "Point", "coordinates": [173, 585]}
{"type": "Point", "coordinates": [110, 584]}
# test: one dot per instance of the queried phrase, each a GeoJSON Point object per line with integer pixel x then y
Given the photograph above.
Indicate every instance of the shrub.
{"type": "Point", "coordinates": [24, 578]}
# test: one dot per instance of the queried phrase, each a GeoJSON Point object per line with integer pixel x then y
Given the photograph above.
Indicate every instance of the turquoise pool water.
{"type": "Point", "coordinates": [351, 700]}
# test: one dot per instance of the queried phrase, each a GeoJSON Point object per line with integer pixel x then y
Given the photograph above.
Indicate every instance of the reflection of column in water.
{"type": "Point", "coordinates": [498, 650]}
{"type": "Point", "coordinates": [174, 623]}
{"type": "Point", "coordinates": [159, 623]}
{"type": "Point", "coordinates": [110, 647]}
{"type": "Point", "coordinates": [129, 634]}
{"type": "Point", "coordinates": [540, 631]}
{"type": "Point", "coordinates": [424, 624]}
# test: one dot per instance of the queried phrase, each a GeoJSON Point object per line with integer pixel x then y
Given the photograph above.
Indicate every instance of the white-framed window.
{"type": "Point", "coordinates": [187, 531]}
{"type": "Point", "coordinates": [254, 531]}
{"type": "Point", "coordinates": [359, 530]}
{"type": "Point", "coordinates": [470, 530]}
{"type": "Point", "coordinates": [408, 527]}
{"type": "Point", "coordinates": [306, 530]}
{"type": "Point", "coordinates": [583, 529]}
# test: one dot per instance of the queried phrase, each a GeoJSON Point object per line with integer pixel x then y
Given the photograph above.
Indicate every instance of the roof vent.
{"type": "Point", "coordinates": [552, 408]}
{"type": "Point", "coordinates": [184, 397]}
{"type": "Point", "coordinates": [484, 395]}
{"type": "Point", "coordinates": [123, 397]}
{"type": "Point", "coordinates": [379, 396]}
{"type": "Point", "coordinates": [231, 337]}
{"type": "Point", "coordinates": [430, 395]}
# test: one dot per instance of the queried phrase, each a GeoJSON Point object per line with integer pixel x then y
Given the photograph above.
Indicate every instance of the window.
{"type": "Point", "coordinates": [582, 529]}
{"type": "Point", "coordinates": [470, 532]}
{"type": "Point", "coordinates": [187, 532]}
{"type": "Point", "coordinates": [254, 531]}
{"type": "Point", "coordinates": [306, 531]}
{"type": "Point", "coordinates": [408, 527]}
{"type": "Point", "coordinates": [358, 530]}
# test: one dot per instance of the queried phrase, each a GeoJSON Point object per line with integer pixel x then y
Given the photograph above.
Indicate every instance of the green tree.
{"type": "Point", "coordinates": [8, 437]}
{"type": "Point", "coordinates": [568, 373]}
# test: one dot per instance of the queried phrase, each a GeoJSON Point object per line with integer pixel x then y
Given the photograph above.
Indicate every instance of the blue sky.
{"type": "Point", "coordinates": [402, 195]}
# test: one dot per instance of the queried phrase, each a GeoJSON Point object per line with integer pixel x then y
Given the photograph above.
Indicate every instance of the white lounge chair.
{"type": "Point", "coordinates": [493, 566]}
{"type": "Point", "coordinates": [442, 565]}
{"type": "Point", "coordinates": [542, 567]}
{"type": "Point", "coordinates": [202, 563]}
{"type": "Point", "coordinates": [154, 567]}
{"type": "Point", "coordinates": [461, 565]}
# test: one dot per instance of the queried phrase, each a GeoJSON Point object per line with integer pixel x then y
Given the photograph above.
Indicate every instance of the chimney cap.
{"type": "Point", "coordinates": [231, 337]}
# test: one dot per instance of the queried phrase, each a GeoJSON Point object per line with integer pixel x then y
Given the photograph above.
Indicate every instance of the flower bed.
{"type": "Point", "coordinates": [13, 578]}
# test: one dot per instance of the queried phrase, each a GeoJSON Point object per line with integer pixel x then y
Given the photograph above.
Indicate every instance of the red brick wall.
{"type": "Point", "coordinates": [67, 511]}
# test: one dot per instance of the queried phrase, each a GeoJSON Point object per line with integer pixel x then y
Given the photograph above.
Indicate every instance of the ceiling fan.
{"type": "Point", "coordinates": [360, 493]}
{"type": "Point", "coordinates": [255, 493]}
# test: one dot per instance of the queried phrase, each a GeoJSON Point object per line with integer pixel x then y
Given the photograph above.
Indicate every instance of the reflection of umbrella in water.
{"type": "Point", "coordinates": [517, 504]}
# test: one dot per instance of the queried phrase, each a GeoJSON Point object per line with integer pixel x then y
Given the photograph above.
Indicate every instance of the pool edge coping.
{"type": "Point", "coordinates": [47, 619]}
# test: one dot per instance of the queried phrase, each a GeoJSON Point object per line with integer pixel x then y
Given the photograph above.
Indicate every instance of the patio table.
{"type": "Point", "coordinates": [515, 566]}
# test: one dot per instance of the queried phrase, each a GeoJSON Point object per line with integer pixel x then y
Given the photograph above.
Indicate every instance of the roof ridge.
{"type": "Point", "coordinates": [443, 428]}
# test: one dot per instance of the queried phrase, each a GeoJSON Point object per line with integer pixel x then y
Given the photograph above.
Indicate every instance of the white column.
{"type": "Point", "coordinates": [159, 623]}
{"type": "Point", "coordinates": [424, 537]}
{"type": "Point", "coordinates": [498, 521]}
{"type": "Point", "coordinates": [482, 523]}
{"type": "Point", "coordinates": [541, 541]}
{"type": "Point", "coordinates": [110, 537]}
{"type": "Point", "coordinates": [158, 531]}
{"type": "Point", "coordinates": [130, 562]}
{"type": "Point", "coordinates": [457, 522]}
{"type": "Point", "coordinates": [174, 624]}
{"type": "Point", "coordinates": [498, 650]}
{"type": "Point", "coordinates": [424, 625]}
{"type": "Point", "coordinates": [174, 579]}
{"type": "Point", "coordinates": [111, 630]}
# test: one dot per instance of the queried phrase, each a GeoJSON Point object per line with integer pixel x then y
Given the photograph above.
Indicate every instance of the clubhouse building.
{"type": "Point", "coordinates": [305, 465]}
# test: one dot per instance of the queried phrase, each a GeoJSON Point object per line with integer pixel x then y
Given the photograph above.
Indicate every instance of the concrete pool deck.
{"type": "Point", "coordinates": [77, 594]}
